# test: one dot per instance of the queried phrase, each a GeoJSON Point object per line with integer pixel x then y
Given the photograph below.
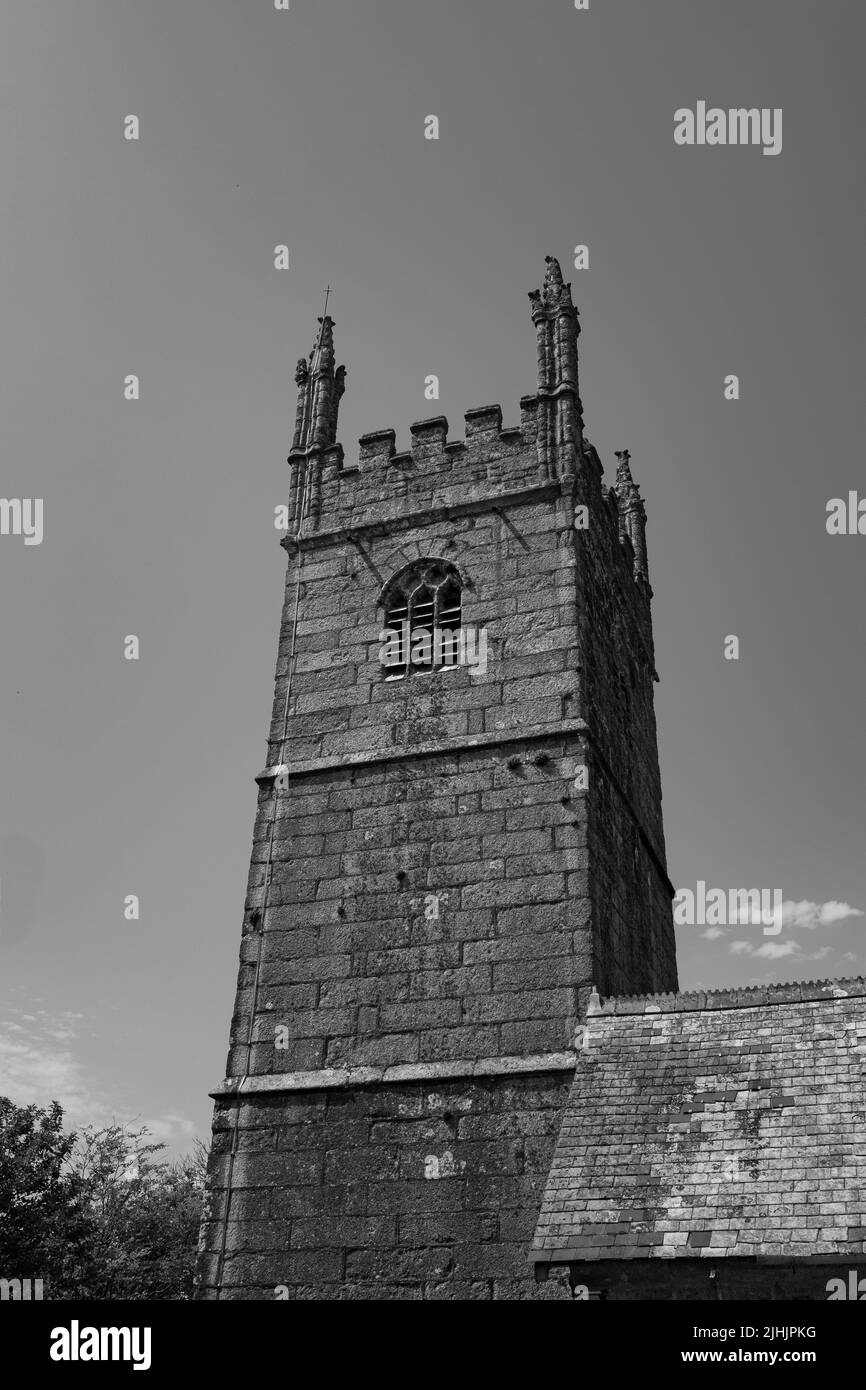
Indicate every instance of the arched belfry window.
{"type": "Point", "coordinates": [422, 619]}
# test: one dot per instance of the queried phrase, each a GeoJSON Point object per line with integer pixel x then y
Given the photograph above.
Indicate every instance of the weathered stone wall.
{"type": "Point", "coordinates": [395, 1191]}
{"type": "Point", "coordinates": [423, 911]}
{"type": "Point", "coordinates": [631, 893]}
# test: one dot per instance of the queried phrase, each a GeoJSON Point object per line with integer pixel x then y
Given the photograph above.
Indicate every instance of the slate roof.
{"type": "Point", "coordinates": [724, 1123]}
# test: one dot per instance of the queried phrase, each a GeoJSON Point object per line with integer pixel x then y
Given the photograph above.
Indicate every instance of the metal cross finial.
{"type": "Point", "coordinates": [322, 320]}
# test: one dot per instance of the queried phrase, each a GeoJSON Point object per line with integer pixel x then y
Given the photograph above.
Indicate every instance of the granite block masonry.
{"type": "Point", "coordinates": [445, 862]}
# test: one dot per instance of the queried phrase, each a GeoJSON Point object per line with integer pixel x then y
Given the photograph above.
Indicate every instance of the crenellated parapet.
{"type": "Point", "coordinates": [382, 479]}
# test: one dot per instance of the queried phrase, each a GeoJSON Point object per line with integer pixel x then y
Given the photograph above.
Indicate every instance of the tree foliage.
{"type": "Point", "coordinates": [97, 1214]}
{"type": "Point", "coordinates": [45, 1222]}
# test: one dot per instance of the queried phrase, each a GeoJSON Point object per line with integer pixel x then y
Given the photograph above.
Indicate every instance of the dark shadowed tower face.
{"type": "Point", "coordinates": [459, 833]}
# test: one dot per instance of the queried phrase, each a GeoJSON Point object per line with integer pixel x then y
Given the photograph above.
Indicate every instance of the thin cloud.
{"type": "Point", "coordinates": [770, 950]}
{"type": "Point", "coordinates": [37, 1066]}
{"type": "Point", "coordinates": [813, 915]}
{"type": "Point", "coordinates": [170, 1129]}
{"type": "Point", "coordinates": [794, 915]}
{"type": "Point", "coordinates": [778, 950]}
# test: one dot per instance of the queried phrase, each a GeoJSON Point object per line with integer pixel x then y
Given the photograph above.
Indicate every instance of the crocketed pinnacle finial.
{"type": "Point", "coordinates": [553, 274]}
{"type": "Point", "coordinates": [555, 294]}
{"type": "Point", "coordinates": [632, 513]}
{"type": "Point", "coordinates": [319, 390]}
{"type": "Point", "coordinates": [623, 470]}
{"type": "Point", "coordinates": [323, 350]}
{"type": "Point", "coordinates": [560, 418]}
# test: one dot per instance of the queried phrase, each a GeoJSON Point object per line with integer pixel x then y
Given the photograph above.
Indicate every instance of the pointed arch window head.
{"type": "Point", "coordinates": [423, 613]}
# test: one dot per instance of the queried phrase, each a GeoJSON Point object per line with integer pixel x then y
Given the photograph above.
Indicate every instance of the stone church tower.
{"type": "Point", "coordinates": [458, 835]}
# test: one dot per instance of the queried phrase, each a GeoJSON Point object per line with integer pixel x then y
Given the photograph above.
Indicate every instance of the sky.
{"type": "Point", "coordinates": [155, 257]}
